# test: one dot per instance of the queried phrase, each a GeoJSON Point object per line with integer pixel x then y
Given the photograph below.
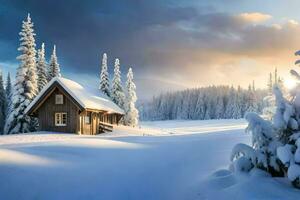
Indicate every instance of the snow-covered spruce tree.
{"type": "Point", "coordinates": [275, 144]}
{"type": "Point", "coordinates": [231, 104]}
{"type": "Point", "coordinates": [117, 93]}
{"type": "Point", "coordinates": [8, 93]}
{"type": "Point", "coordinates": [250, 100]}
{"type": "Point", "coordinates": [199, 108]}
{"type": "Point", "coordinates": [3, 104]}
{"type": "Point", "coordinates": [25, 86]}
{"type": "Point", "coordinates": [53, 68]}
{"type": "Point", "coordinates": [104, 77]}
{"type": "Point", "coordinates": [41, 66]}
{"type": "Point", "coordinates": [8, 96]}
{"type": "Point", "coordinates": [220, 108]}
{"type": "Point", "coordinates": [131, 113]}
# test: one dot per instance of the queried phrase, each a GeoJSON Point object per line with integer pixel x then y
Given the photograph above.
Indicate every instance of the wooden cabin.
{"type": "Point", "coordinates": [65, 106]}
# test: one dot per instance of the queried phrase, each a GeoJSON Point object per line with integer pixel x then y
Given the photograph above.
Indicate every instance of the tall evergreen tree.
{"type": "Point", "coordinates": [199, 108]}
{"type": "Point", "coordinates": [8, 93]}
{"type": "Point", "coordinates": [8, 96]}
{"type": "Point", "coordinates": [117, 93]}
{"type": "Point", "coordinates": [270, 84]}
{"type": "Point", "coordinates": [253, 85]}
{"type": "Point", "coordinates": [3, 104]}
{"type": "Point", "coordinates": [231, 104]}
{"type": "Point", "coordinates": [220, 108]}
{"type": "Point", "coordinates": [54, 69]}
{"type": "Point", "coordinates": [41, 66]}
{"type": "Point", "coordinates": [104, 77]}
{"type": "Point", "coordinates": [25, 87]}
{"type": "Point", "coordinates": [250, 100]}
{"type": "Point", "coordinates": [131, 113]}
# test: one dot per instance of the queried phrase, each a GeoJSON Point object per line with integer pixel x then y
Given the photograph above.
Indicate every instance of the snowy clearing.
{"type": "Point", "coordinates": [162, 160]}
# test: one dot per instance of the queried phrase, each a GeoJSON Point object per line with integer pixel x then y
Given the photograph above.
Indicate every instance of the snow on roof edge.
{"type": "Point", "coordinates": [108, 105]}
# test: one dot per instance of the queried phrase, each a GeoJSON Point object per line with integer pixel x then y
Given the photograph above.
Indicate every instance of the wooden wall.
{"type": "Point", "coordinates": [46, 114]}
{"type": "Point", "coordinates": [75, 118]}
{"type": "Point", "coordinates": [96, 117]}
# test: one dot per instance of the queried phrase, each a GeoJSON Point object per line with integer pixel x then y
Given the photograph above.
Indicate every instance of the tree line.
{"type": "Point", "coordinates": [125, 99]}
{"type": "Point", "coordinates": [213, 102]}
{"type": "Point", "coordinates": [34, 72]}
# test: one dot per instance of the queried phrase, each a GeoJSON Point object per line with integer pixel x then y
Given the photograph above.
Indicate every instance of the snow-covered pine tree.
{"type": "Point", "coordinates": [117, 93]}
{"type": "Point", "coordinates": [237, 110]}
{"type": "Point", "coordinates": [199, 109]}
{"type": "Point", "coordinates": [131, 113]}
{"type": "Point", "coordinates": [8, 93]}
{"type": "Point", "coordinates": [53, 69]}
{"type": "Point", "coordinates": [229, 111]}
{"type": "Point", "coordinates": [270, 83]}
{"type": "Point", "coordinates": [104, 77]}
{"type": "Point", "coordinates": [220, 109]}
{"type": "Point", "coordinates": [25, 86]}
{"type": "Point", "coordinates": [3, 104]}
{"type": "Point", "coordinates": [41, 66]}
{"type": "Point", "coordinates": [275, 76]}
{"type": "Point", "coordinates": [250, 100]}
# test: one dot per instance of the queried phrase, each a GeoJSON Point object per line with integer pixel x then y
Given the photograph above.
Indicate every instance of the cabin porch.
{"type": "Point", "coordinates": [93, 122]}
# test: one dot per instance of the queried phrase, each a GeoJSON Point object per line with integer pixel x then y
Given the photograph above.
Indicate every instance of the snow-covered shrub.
{"type": "Point", "coordinates": [275, 141]}
{"type": "Point", "coordinates": [243, 158]}
{"type": "Point", "coordinates": [262, 153]}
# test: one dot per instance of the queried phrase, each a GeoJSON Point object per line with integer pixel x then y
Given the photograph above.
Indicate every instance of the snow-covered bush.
{"type": "Point", "coordinates": [262, 153]}
{"type": "Point", "coordinates": [275, 141]}
{"type": "Point", "coordinates": [243, 158]}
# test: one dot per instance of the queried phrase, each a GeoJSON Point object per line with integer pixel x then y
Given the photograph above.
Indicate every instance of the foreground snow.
{"type": "Point", "coordinates": [161, 160]}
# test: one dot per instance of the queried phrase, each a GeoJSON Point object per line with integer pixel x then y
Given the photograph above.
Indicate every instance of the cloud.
{"type": "Point", "coordinates": [255, 17]}
{"type": "Point", "coordinates": [170, 42]}
{"type": "Point", "coordinates": [293, 22]}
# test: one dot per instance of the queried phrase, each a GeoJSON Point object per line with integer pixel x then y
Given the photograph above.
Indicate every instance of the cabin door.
{"type": "Point", "coordinates": [94, 123]}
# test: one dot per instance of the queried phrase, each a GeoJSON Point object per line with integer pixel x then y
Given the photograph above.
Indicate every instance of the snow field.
{"type": "Point", "coordinates": [160, 160]}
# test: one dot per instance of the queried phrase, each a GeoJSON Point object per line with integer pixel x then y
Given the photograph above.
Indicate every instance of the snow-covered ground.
{"type": "Point", "coordinates": [160, 160]}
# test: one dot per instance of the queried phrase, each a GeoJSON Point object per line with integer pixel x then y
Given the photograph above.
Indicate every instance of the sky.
{"type": "Point", "coordinates": [169, 44]}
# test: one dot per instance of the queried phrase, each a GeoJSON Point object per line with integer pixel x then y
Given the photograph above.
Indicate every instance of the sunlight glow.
{"type": "Point", "coordinates": [289, 83]}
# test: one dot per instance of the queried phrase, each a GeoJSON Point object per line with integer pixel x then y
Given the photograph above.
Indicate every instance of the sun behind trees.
{"type": "Point", "coordinates": [275, 142]}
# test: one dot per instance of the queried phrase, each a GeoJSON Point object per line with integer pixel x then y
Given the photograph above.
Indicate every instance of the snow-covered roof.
{"type": "Point", "coordinates": [88, 98]}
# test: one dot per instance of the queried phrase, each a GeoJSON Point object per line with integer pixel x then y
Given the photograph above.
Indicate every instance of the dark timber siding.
{"type": "Point", "coordinates": [48, 109]}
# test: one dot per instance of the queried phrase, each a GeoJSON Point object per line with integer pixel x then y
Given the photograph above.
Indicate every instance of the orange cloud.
{"type": "Point", "coordinates": [255, 17]}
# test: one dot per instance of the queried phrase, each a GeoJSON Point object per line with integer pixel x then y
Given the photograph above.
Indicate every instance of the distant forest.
{"type": "Point", "coordinates": [213, 102]}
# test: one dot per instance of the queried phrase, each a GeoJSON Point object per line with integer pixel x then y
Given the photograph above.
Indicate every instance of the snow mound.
{"type": "Point", "coordinates": [221, 179]}
{"type": "Point", "coordinates": [247, 186]}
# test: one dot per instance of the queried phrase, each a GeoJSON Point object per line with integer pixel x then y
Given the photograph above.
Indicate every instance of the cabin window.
{"type": "Point", "coordinates": [87, 118]}
{"type": "Point", "coordinates": [59, 99]}
{"type": "Point", "coordinates": [60, 119]}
